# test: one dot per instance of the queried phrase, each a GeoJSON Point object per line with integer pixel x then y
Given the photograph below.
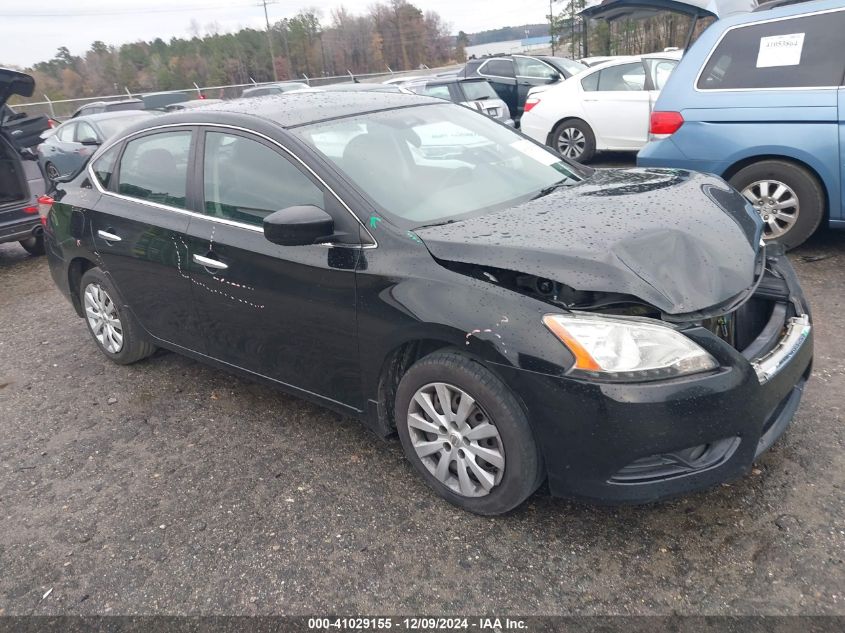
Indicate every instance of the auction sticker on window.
{"type": "Point", "coordinates": [780, 50]}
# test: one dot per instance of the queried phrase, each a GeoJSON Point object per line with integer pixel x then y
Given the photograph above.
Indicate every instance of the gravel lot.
{"type": "Point", "coordinates": [172, 488]}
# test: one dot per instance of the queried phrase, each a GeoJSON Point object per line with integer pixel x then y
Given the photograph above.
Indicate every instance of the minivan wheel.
{"type": "Point", "coordinates": [109, 322]}
{"type": "Point", "coordinates": [788, 198]}
{"type": "Point", "coordinates": [574, 139]}
{"type": "Point", "coordinates": [33, 245]}
{"type": "Point", "coordinates": [466, 434]}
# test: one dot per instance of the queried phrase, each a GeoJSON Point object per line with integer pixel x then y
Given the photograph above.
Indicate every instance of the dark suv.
{"type": "Point", "coordinates": [20, 178]}
{"type": "Point", "coordinates": [512, 76]}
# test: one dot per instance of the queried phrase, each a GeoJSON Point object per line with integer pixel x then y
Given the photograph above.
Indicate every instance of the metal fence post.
{"type": "Point", "coordinates": [307, 80]}
{"type": "Point", "coordinates": [50, 105]}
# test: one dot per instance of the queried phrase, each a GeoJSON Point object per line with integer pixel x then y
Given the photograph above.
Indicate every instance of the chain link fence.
{"type": "Point", "coordinates": [64, 108]}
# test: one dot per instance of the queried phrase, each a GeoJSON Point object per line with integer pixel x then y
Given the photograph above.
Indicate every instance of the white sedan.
{"type": "Point", "coordinates": [606, 107]}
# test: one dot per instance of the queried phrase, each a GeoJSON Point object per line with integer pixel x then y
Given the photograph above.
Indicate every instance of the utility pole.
{"type": "Point", "coordinates": [264, 3]}
{"type": "Point", "coordinates": [552, 26]}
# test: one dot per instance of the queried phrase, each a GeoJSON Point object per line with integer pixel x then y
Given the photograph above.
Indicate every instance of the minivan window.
{"type": "Point", "coordinates": [155, 168]}
{"type": "Point", "coordinates": [245, 180]}
{"type": "Point", "coordinates": [800, 52]}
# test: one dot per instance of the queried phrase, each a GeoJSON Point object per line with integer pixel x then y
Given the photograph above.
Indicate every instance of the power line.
{"type": "Point", "coordinates": [81, 14]}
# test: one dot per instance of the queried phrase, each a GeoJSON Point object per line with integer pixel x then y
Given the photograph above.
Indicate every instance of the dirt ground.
{"type": "Point", "coordinates": [169, 487]}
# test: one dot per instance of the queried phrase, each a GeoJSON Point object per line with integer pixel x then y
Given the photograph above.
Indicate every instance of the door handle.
{"type": "Point", "coordinates": [109, 237]}
{"type": "Point", "coordinates": [207, 262]}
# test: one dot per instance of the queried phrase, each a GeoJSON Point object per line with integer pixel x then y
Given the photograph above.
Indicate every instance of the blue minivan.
{"type": "Point", "coordinates": [758, 99]}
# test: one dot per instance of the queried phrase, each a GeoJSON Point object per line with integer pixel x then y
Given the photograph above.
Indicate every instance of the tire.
{"type": "Point", "coordinates": [51, 172]}
{"type": "Point", "coordinates": [574, 139]}
{"type": "Point", "coordinates": [494, 406]}
{"type": "Point", "coordinates": [133, 347]}
{"type": "Point", "coordinates": [787, 184]}
{"type": "Point", "coordinates": [34, 245]}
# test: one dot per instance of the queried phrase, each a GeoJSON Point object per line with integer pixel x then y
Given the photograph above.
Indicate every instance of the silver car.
{"type": "Point", "coordinates": [474, 93]}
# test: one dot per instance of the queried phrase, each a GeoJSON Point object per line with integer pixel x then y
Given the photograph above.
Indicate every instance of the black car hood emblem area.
{"type": "Point", "coordinates": [680, 241]}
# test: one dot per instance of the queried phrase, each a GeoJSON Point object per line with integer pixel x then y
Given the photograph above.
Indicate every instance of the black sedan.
{"type": "Point", "coordinates": [512, 76]}
{"type": "Point", "coordinates": [514, 317]}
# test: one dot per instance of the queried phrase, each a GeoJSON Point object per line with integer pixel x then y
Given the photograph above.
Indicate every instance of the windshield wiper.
{"type": "Point", "coordinates": [551, 188]}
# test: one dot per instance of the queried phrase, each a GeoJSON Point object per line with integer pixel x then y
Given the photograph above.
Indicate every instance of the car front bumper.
{"type": "Point", "coordinates": [648, 441]}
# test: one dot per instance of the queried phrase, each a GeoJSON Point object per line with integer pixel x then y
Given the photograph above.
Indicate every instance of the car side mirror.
{"type": "Point", "coordinates": [89, 140]}
{"type": "Point", "coordinates": [298, 226]}
{"type": "Point", "coordinates": [553, 78]}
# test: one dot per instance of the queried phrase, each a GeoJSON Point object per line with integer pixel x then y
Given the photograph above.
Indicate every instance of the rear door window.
{"type": "Point", "coordinates": [800, 52]}
{"type": "Point", "coordinates": [625, 77]}
{"type": "Point", "coordinates": [104, 166]}
{"type": "Point", "coordinates": [498, 68]}
{"type": "Point", "coordinates": [155, 168]}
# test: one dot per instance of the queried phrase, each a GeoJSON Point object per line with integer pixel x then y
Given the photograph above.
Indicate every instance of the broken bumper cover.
{"type": "Point", "coordinates": [643, 442]}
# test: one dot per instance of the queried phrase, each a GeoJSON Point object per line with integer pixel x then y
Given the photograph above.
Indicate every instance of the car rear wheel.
{"type": "Point", "coordinates": [109, 322]}
{"type": "Point", "coordinates": [574, 139]}
{"type": "Point", "coordinates": [33, 245]}
{"type": "Point", "coordinates": [788, 198]}
{"type": "Point", "coordinates": [51, 172]}
{"type": "Point", "coordinates": [466, 434]}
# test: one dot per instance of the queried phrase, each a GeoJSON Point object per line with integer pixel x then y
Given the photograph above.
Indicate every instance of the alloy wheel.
{"type": "Point", "coordinates": [776, 203]}
{"type": "Point", "coordinates": [571, 142]}
{"type": "Point", "coordinates": [103, 319]}
{"type": "Point", "coordinates": [52, 172]}
{"type": "Point", "coordinates": [455, 439]}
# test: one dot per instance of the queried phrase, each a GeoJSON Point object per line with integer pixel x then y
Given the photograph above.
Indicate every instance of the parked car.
{"type": "Point", "coordinates": [473, 93]}
{"type": "Point", "coordinates": [160, 100]}
{"type": "Point", "coordinates": [512, 76]}
{"type": "Point", "coordinates": [98, 107]}
{"type": "Point", "coordinates": [604, 108]}
{"type": "Point", "coordinates": [352, 87]}
{"type": "Point", "coordinates": [758, 100]}
{"type": "Point", "coordinates": [273, 89]}
{"type": "Point", "coordinates": [68, 147]}
{"type": "Point", "coordinates": [20, 180]}
{"type": "Point", "coordinates": [512, 315]}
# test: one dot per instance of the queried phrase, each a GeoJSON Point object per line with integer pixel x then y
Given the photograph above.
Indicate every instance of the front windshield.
{"type": "Point", "coordinates": [431, 164]}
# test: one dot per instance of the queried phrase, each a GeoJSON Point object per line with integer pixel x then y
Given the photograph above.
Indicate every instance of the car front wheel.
{"type": "Point", "coordinates": [109, 322]}
{"type": "Point", "coordinates": [574, 139]}
{"type": "Point", "coordinates": [788, 198]}
{"type": "Point", "coordinates": [467, 435]}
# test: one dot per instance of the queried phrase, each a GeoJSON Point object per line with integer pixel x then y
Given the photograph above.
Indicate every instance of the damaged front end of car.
{"type": "Point", "coordinates": [690, 339]}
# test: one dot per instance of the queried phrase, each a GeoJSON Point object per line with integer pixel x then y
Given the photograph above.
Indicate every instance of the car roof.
{"type": "Point", "coordinates": [293, 109]}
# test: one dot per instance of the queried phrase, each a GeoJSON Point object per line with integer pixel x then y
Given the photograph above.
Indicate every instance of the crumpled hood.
{"type": "Point", "coordinates": [678, 240]}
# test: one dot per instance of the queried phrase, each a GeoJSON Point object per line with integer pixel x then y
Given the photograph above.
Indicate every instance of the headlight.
{"type": "Point", "coordinates": [624, 349]}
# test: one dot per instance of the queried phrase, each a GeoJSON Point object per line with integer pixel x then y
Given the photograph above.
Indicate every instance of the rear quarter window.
{"type": "Point", "coordinates": [800, 52]}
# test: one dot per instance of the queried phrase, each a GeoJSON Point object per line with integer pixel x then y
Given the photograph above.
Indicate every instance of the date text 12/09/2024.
{"type": "Point", "coordinates": [360, 623]}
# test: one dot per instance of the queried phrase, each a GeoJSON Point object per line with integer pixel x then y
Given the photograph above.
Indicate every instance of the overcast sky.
{"type": "Point", "coordinates": [32, 31]}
